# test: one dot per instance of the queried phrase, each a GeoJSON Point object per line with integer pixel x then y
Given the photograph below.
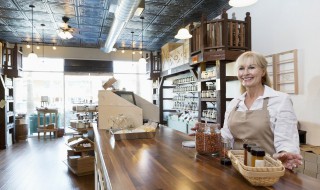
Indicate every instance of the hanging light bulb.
{"type": "Point", "coordinates": [183, 33]}
{"type": "Point", "coordinates": [142, 60]}
{"type": "Point", "coordinates": [38, 47]}
{"type": "Point", "coordinates": [32, 56]}
{"type": "Point", "coordinates": [242, 3]}
{"type": "Point", "coordinates": [43, 25]}
{"type": "Point", "coordinates": [28, 46]}
{"type": "Point", "coordinates": [54, 47]}
{"type": "Point", "coordinates": [122, 51]}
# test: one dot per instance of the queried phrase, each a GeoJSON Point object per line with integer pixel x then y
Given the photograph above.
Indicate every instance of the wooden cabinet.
{"type": "Point", "coordinates": [213, 45]}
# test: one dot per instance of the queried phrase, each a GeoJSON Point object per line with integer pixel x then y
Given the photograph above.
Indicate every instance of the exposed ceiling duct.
{"type": "Point", "coordinates": [123, 13]}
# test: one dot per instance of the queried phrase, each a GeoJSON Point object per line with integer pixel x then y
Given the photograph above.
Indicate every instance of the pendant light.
{"type": "Point", "coordinates": [242, 3]}
{"type": "Point", "coordinates": [43, 25]}
{"type": "Point", "coordinates": [32, 56]}
{"type": "Point", "coordinates": [142, 60]}
{"type": "Point", "coordinates": [132, 46]}
{"type": "Point", "coordinates": [183, 33]}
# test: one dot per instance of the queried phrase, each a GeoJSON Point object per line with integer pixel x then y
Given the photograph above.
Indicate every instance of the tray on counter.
{"type": "Point", "coordinates": [126, 134]}
{"type": "Point", "coordinates": [258, 176]}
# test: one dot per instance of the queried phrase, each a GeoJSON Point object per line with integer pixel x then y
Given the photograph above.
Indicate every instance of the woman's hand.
{"type": "Point", "coordinates": [196, 126]}
{"type": "Point", "coordinates": [289, 160]}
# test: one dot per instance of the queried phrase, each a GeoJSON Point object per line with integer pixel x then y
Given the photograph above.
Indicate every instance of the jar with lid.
{"type": "Point", "coordinates": [208, 139]}
{"type": "Point", "coordinates": [257, 157]}
{"type": "Point", "coordinates": [225, 147]}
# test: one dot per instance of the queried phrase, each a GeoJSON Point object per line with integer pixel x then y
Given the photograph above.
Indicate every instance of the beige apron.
{"type": "Point", "coordinates": [252, 126]}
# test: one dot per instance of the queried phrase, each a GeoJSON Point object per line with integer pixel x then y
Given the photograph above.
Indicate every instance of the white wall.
{"type": "Point", "coordinates": [279, 26]}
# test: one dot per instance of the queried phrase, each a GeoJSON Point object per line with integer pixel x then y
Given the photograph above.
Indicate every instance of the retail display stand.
{"type": "Point", "coordinates": [80, 157]}
{"type": "Point", "coordinates": [52, 126]}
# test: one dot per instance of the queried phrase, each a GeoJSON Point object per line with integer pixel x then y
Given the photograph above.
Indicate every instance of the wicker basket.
{"type": "Point", "coordinates": [258, 176]}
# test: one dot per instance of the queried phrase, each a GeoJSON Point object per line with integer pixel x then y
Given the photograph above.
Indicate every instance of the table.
{"type": "Point", "coordinates": [162, 163]}
{"type": "Point", "coordinates": [51, 127]}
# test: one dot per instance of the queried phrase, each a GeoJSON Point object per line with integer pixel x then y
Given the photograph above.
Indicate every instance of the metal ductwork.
{"type": "Point", "coordinates": [122, 15]}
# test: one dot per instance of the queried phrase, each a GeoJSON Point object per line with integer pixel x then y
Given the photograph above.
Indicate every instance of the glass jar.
{"type": "Point", "coordinates": [208, 139]}
{"type": "Point", "coordinates": [225, 147]}
{"type": "Point", "coordinates": [257, 157]}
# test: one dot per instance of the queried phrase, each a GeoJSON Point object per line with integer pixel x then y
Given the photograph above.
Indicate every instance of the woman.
{"type": "Point", "coordinates": [262, 115]}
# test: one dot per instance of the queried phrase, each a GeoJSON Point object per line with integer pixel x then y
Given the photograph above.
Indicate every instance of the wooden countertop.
{"type": "Point", "coordinates": [162, 163]}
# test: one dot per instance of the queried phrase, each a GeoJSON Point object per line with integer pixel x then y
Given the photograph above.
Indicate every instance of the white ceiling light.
{"type": "Point", "coordinates": [242, 3]}
{"type": "Point", "coordinates": [65, 35]}
{"type": "Point", "coordinates": [183, 33]}
{"type": "Point", "coordinates": [32, 56]}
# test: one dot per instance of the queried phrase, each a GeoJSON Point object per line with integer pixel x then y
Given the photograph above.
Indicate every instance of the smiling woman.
{"type": "Point", "coordinates": [262, 115]}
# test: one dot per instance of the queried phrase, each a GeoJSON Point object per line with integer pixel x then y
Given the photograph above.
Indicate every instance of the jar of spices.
{"type": "Point", "coordinates": [208, 139]}
{"type": "Point", "coordinates": [249, 147]}
{"type": "Point", "coordinates": [257, 157]}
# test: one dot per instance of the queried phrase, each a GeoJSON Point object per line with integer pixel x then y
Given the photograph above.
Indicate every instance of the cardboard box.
{"type": "Point", "coordinates": [310, 173]}
{"type": "Point", "coordinates": [311, 166]}
{"type": "Point", "coordinates": [311, 153]}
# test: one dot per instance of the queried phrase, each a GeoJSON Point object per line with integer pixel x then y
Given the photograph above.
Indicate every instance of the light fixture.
{"type": "Point", "coordinates": [38, 47]}
{"type": "Point", "coordinates": [54, 47]}
{"type": "Point", "coordinates": [28, 46]}
{"type": "Point", "coordinates": [43, 25]}
{"type": "Point", "coordinates": [242, 3]}
{"type": "Point", "coordinates": [183, 33]}
{"type": "Point", "coordinates": [122, 51]}
{"type": "Point", "coordinates": [133, 52]}
{"type": "Point", "coordinates": [140, 8]}
{"type": "Point", "coordinates": [142, 60]}
{"type": "Point", "coordinates": [32, 56]}
{"type": "Point", "coordinates": [65, 34]}
{"type": "Point", "coordinates": [132, 46]}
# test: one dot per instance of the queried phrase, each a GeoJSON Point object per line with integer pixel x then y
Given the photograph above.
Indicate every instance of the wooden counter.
{"type": "Point", "coordinates": [162, 163]}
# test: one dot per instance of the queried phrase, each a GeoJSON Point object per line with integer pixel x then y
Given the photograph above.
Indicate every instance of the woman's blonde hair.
{"type": "Point", "coordinates": [260, 60]}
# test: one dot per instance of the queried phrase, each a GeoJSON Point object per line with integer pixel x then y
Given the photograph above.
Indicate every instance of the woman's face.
{"type": "Point", "coordinates": [250, 74]}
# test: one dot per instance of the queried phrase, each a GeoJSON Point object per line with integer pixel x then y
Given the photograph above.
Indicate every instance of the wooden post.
{"type": "Point", "coordinates": [248, 31]}
{"type": "Point", "coordinates": [224, 18]}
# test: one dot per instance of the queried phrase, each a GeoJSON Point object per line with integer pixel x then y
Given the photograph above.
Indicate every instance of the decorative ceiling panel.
{"type": "Point", "coordinates": [5, 4]}
{"type": "Point", "coordinates": [91, 21]}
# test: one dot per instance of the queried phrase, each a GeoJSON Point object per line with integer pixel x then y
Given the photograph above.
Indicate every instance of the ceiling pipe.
{"type": "Point", "coordinates": [122, 15]}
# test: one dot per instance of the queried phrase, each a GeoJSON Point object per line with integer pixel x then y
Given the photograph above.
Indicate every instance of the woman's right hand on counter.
{"type": "Point", "coordinates": [289, 160]}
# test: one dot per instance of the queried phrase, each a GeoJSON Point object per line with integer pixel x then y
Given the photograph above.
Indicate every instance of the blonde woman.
{"type": "Point", "coordinates": [262, 115]}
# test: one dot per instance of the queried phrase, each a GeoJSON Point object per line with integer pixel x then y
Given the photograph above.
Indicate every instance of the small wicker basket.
{"type": "Point", "coordinates": [258, 176]}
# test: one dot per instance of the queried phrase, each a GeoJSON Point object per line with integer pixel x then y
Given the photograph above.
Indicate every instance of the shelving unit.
{"type": "Point", "coordinates": [213, 45]}
{"type": "Point", "coordinates": [80, 156]}
{"type": "Point", "coordinates": [11, 67]}
{"type": "Point", "coordinates": [86, 115]}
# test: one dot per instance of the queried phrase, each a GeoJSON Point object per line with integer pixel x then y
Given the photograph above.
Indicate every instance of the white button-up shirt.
{"type": "Point", "coordinates": [283, 121]}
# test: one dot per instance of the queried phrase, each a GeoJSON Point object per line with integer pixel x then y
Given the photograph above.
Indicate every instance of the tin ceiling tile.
{"type": "Point", "coordinates": [11, 14]}
{"type": "Point", "coordinates": [90, 21]}
{"type": "Point", "coordinates": [90, 12]}
{"type": "Point", "coordinates": [4, 28]}
{"type": "Point", "coordinates": [64, 9]}
{"type": "Point", "coordinates": [89, 28]}
{"type": "Point", "coordinates": [92, 3]}
{"type": "Point", "coordinates": [61, 1]}
{"type": "Point", "coordinates": [7, 5]}
{"type": "Point", "coordinates": [17, 22]}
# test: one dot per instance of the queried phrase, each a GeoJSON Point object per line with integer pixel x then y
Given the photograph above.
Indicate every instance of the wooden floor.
{"type": "Point", "coordinates": [37, 164]}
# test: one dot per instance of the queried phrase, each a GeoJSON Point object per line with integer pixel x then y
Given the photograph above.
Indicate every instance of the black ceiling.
{"type": "Point", "coordinates": [92, 21]}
